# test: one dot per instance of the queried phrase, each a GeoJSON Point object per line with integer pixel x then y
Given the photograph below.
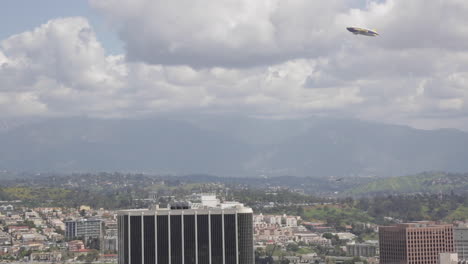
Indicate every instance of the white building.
{"type": "Point", "coordinates": [448, 258]}
{"type": "Point", "coordinates": [291, 221]}
{"type": "Point", "coordinates": [257, 219]}
{"type": "Point", "coordinates": [209, 200]}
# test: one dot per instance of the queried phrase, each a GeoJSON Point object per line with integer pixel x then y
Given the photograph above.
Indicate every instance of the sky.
{"type": "Point", "coordinates": [264, 58]}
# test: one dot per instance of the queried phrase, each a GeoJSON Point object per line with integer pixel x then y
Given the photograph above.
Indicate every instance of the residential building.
{"type": "Point", "coordinates": [415, 243]}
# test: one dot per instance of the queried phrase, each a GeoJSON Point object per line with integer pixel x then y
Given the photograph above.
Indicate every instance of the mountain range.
{"type": "Point", "coordinates": [231, 146]}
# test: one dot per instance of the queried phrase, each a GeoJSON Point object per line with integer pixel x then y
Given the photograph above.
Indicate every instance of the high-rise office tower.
{"type": "Point", "coordinates": [202, 234]}
{"type": "Point", "coordinates": [415, 243]}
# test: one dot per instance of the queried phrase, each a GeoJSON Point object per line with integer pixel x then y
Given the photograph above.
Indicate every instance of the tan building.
{"type": "Point", "coordinates": [415, 243]}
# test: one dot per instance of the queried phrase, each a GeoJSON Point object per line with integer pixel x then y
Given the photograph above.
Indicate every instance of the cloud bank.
{"type": "Point", "coordinates": [268, 58]}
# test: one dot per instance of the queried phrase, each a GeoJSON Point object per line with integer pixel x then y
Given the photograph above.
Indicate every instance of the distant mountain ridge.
{"type": "Point", "coordinates": [312, 147]}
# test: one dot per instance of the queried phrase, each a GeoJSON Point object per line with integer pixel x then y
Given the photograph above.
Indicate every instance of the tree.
{"type": "Point", "coordinates": [354, 260]}
{"type": "Point", "coordinates": [292, 247]}
{"type": "Point", "coordinates": [327, 235]}
{"type": "Point", "coordinates": [93, 243]}
{"type": "Point", "coordinates": [92, 256]}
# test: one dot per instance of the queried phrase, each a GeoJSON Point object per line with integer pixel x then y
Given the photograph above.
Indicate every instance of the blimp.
{"type": "Point", "coordinates": [363, 31]}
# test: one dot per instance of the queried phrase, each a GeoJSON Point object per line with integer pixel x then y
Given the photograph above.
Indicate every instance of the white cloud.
{"type": "Point", "coordinates": [60, 66]}
{"type": "Point", "coordinates": [223, 32]}
{"type": "Point", "coordinates": [64, 70]}
{"type": "Point", "coordinates": [265, 58]}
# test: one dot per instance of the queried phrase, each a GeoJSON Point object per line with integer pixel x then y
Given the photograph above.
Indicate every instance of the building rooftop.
{"type": "Point", "coordinates": [209, 204]}
{"type": "Point", "coordinates": [419, 224]}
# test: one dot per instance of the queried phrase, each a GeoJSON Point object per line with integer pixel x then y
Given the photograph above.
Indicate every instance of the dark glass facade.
{"type": "Point", "coordinates": [135, 238]}
{"type": "Point", "coordinates": [217, 239]}
{"type": "Point", "coordinates": [162, 239]}
{"type": "Point", "coordinates": [203, 239]}
{"type": "Point", "coordinates": [189, 239]}
{"type": "Point", "coordinates": [176, 239]}
{"type": "Point", "coordinates": [230, 250]}
{"type": "Point", "coordinates": [126, 240]}
{"type": "Point", "coordinates": [149, 240]}
{"type": "Point", "coordinates": [245, 235]}
{"type": "Point", "coordinates": [198, 237]}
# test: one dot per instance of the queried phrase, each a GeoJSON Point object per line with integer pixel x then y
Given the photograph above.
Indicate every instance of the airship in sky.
{"type": "Point", "coordinates": [363, 31]}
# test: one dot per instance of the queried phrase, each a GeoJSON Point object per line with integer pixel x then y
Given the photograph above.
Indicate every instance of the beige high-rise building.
{"type": "Point", "coordinates": [415, 243]}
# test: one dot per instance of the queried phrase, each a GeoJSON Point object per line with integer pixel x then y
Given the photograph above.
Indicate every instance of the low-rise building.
{"type": "Point", "coordinates": [57, 223]}
{"type": "Point", "coordinates": [312, 238]}
{"type": "Point", "coordinates": [75, 245]}
{"type": "Point", "coordinates": [12, 229]}
{"type": "Point", "coordinates": [361, 250]}
{"type": "Point", "coordinates": [291, 221]}
{"type": "Point", "coordinates": [345, 235]}
{"type": "Point", "coordinates": [448, 258]}
{"type": "Point", "coordinates": [46, 256]}
{"type": "Point", "coordinates": [28, 237]}
{"type": "Point", "coordinates": [109, 244]}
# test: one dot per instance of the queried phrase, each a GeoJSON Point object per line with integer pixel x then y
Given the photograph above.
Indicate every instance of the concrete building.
{"type": "Point", "coordinates": [291, 221]}
{"type": "Point", "coordinates": [46, 256]}
{"type": "Point", "coordinates": [361, 250]}
{"type": "Point", "coordinates": [448, 258]}
{"type": "Point", "coordinates": [109, 244]}
{"type": "Point", "coordinates": [460, 235]}
{"type": "Point", "coordinates": [201, 234]}
{"type": "Point", "coordinates": [415, 243]}
{"type": "Point", "coordinates": [75, 245]}
{"type": "Point", "coordinates": [312, 238]}
{"type": "Point", "coordinates": [83, 228]}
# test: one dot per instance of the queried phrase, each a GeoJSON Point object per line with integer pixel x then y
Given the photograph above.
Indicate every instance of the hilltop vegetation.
{"type": "Point", "coordinates": [416, 207]}
{"type": "Point", "coordinates": [47, 196]}
{"type": "Point", "coordinates": [337, 215]}
{"type": "Point", "coordinates": [427, 182]}
{"type": "Point", "coordinates": [426, 196]}
{"type": "Point", "coordinates": [36, 194]}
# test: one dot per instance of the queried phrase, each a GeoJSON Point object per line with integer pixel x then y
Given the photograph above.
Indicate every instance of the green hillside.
{"type": "Point", "coordinates": [337, 215]}
{"type": "Point", "coordinates": [41, 194]}
{"type": "Point", "coordinates": [427, 182]}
